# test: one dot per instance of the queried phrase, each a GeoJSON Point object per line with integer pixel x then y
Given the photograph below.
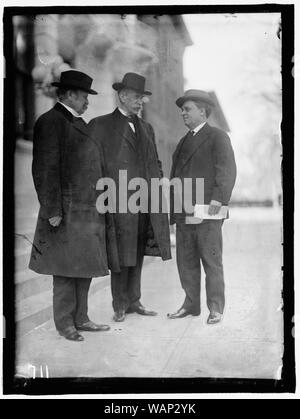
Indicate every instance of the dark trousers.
{"type": "Point", "coordinates": [195, 243]}
{"type": "Point", "coordinates": [70, 302]}
{"type": "Point", "coordinates": [126, 285]}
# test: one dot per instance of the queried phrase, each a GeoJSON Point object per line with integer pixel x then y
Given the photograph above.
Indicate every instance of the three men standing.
{"type": "Point", "coordinates": [74, 243]}
{"type": "Point", "coordinates": [205, 152]}
{"type": "Point", "coordinates": [128, 145]}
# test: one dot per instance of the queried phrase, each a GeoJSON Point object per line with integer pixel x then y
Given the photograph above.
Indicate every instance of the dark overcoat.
{"type": "Point", "coordinates": [115, 136]}
{"type": "Point", "coordinates": [210, 157]}
{"type": "Point", "coordinates": [66, 167]}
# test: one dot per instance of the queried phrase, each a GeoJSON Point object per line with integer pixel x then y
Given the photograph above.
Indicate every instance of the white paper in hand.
{"type": "Point", "coordinates": [201, 211]}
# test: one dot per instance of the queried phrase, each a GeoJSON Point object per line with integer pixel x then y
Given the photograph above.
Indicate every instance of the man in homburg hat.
{"type": "Point", "coordinates": [205, 152]}
{"type": "Point", "coordinates": [69, 241]}
{"type": "Point", "coordinates": [129, 146]}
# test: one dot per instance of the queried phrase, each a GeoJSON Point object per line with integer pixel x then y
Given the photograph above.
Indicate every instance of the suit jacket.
{"type": "Point", "coordinates": [117, 140]}
{"type": "Point", "coordinates": [66, 167]}
{"type": "Point", "coordinates": [210, 156]}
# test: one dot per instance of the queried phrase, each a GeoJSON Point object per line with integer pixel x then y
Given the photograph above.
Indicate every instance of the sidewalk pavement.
{"type": "Point", "coordinates": [247, 344]}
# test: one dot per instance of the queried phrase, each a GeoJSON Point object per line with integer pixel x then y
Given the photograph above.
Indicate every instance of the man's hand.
{"type": "Point", "coordinates": [55, 221]}
{"type": "Point", "coordinates": [214, 207]}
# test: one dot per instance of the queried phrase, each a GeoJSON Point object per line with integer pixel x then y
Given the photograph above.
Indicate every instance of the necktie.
{"type": "Point", "coordinates": [131, 118]}
{"type": "Point", "coordinates": [189, 135]}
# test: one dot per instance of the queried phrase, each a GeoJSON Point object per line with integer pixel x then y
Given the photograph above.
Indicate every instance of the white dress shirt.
{"type": "Point", "coordinates": [197, 129]}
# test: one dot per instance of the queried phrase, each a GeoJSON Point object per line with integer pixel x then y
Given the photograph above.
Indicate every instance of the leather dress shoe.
{"type": "Point", "coordinates": [92, 327]}
{"type": "Point", "coordinates": [182, 312]}
{"type": "Point", "coordinates": [214, 317]}
{"type": "Point", "coordinates": [141, 310]}
{"type": "Point", "coordinates": [119, 316]}
{"type": "Point", "coordinates": [72, 335]}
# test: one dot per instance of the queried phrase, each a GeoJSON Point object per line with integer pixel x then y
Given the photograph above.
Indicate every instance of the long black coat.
{"type": "Point", "coordinates": [210, 156]}
{"type": "Point", "coordinates": [66, 167]}
{"type": "Point", "coordinates": [115, 136]}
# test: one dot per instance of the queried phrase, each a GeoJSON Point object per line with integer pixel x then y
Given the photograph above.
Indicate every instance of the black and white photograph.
{"type": "Point", "coordinates": [148, 180]}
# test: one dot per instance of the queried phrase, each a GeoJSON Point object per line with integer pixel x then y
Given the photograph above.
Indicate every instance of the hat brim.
{"type": "Point", "coordinates": [66, 86]}
{"type": "Point", "coordinates": [180, 101]}
{"type": "Point", "coordinates": [120, 86]}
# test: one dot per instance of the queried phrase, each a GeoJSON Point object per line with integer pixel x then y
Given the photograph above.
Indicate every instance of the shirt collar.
{"type": "Point", "coordinates": [71, 110]}
{"type": "Point", "coordinates": [122, 112]}
{"type": "Point", "coordinates": [197, 129]}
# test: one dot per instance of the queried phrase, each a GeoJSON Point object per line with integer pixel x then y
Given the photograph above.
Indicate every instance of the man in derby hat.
{"type": "Point", "coordinates": [205, 152]}
{"type": "Point", "coordinates": [129, 145]}
{"type": "Point", "coordinates": [69, 241]}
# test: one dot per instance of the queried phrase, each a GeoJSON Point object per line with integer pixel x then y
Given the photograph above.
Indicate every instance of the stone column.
{"type": "Point", "coordinates": [46, 49]}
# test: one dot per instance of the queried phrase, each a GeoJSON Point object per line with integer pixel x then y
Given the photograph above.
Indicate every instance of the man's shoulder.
{"type": "Point", "coordinates": [145, 123]}
{"type": "Point", "coordinates": [102, 119]}
{"type": "Point", "coordinates": [101, 128]}
{"type": "Point", "coordinates": [49, 116]}
{"type": "Point", "coordinates": [147, 126]}
{"type": "Point", "coordinates": [216, 132]}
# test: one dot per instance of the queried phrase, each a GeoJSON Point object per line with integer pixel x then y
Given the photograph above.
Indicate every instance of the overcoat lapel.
{"type": "Point", "coordinates": [78, 125]}
{"type": "Point", "coordinates": [176, 155]}
{"type": "Point", "coordinates": [122, 127]}
{"type": "Point", "coordinates": [198, 140]}
{"type": "Point", "coordinates": [81, 127]}
{"type": "Point", "coordinates": [143, 138]}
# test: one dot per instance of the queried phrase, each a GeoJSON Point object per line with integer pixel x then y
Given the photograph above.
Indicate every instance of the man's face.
{"type": "Point", "coordinates": [192, 115]}
{"type": "Point", "coordinates": [79, 101]}
{"type": "Point", "coordinates": [132, 101]}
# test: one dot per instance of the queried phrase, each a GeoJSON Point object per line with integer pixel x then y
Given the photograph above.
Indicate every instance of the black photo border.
{"type": "Point", "coordinates": [52, 386]}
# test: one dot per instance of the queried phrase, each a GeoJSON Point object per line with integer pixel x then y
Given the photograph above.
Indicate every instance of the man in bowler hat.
{"type": "Point", "coordinates": [69, 241]}
{"type": "Point", "coordinates": [129, 145]}
{"type": "Point", "coordinates": [205, 152]}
